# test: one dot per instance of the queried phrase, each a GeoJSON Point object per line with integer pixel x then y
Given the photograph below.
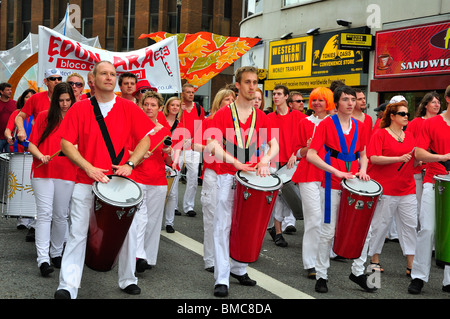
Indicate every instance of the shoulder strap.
{"type": "Point", "coordinates": [199, 110]}
{"type": "Point", "coordinates": [101, 123]}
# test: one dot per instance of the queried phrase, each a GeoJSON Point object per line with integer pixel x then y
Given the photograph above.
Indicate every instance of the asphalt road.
{"type": "Point", "coordinates": [179, 280]}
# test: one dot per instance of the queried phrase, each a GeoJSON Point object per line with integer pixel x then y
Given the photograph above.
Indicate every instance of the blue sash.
{"type": "Point", "coordinates": [345, 155]}
{"type": "Point", "coordinates": [27, 125]}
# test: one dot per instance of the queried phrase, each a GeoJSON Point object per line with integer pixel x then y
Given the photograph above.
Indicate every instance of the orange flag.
{"type": "Point", "coordinates": [203, 55]}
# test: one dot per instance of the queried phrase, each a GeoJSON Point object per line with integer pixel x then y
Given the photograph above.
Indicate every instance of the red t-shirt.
{"type": "Point", "coordinates": [223, 121]}
{"type": "Point", "coordinates": [192, 122]}
{"type": "Point", "coordinates": [307, 172]}
{"type": "Point", "coordinates": [209, 160]}
{"type": "Point", "coordinates": [12, 125]}
{"type": "Point", "coordinates": [126, 123]}
{"type": "Point", "coordinates": [435, 135]}
{"type": "Point", "coordinates": [326, 134]}
{"type": "Point", "coordinates": [60, 167]}
{"type": "Point", "coordinates": [6, 108]}
{"type": "Point", "coordinates": [152, 170]}
{"type": "Point", "coordinates": [288, 133]}
{"type": "Point", "coordinates": [368, 123]}
{"type": "Point", "coordinates": [415, 127]}
{"type": "Point", "coordinates": [36, 103]}
{"type": "Point", "coordinates": [394, 182]}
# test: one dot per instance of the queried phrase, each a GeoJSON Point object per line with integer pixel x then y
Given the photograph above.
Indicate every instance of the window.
{"type": "Point", "coordinates": [26, 18]}
{"type": "Point", "coordinates": [252, 6]}
{"type": "Point", "coordinates": [10, 25]}
{"type": "Point", "coordinates": [172, 16]}
{"type": "Point", "coordinates": [154, 16]}
{"type": "Point", "coordinates": [287, 3]}
{"type": "Point", "coordinates": [207, 15]}
{"type": "Point", "coordinates": [128, 42]}
{"type": "Point", "coordinates": [87, 13]}
{"type": "Point", "coordinates": [110, 15]}
{"type": "Point", "coordinates": [46, 17]}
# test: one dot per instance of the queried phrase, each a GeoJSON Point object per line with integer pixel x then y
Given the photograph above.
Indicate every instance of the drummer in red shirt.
{"type": "Point", "coordinates": [433, 147]}
{"type": "Point", "coordinates": [38, 102]}
{"type": "Point", "coordinates": [390, 152]}
{"type": "Point", "coordinates": [126, 124]}
{"type": "Point", "coordinates": [309, 178]}
{"type": "Point", "coordinates": [327, 136]}
{"type": "Point", "coordinates": [246, 83]}
{"type": "Point", "coordinates": [52, 179]}
{"type": "Point", "coordinates": [287, 122]}
{"type": "Point", "coordinates": [150, 174]}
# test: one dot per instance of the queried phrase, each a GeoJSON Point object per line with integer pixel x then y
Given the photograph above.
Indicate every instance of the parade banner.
{"type": "Point", "coordinates": [157, 63]}
{"type": "Point", "coordinates": [203, 55]}
{"type": "Point", "coordinates": [418, 51]}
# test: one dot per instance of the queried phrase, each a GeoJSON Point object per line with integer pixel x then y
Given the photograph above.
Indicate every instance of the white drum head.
{"type": "Point", "coordinates": [119, 191]}
{"type": "Point", "coordinates": [286, 174]}
{"type": "Point", "coordinates": [443, 178]}
{"type": "Point", "coordinates": [364, 188]}
{"type": "Point", "coordinates": [250, 179]}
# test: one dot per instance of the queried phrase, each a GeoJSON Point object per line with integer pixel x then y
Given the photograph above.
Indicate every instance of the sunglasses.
{"type": "Point", "coordinates": [77, 84]}
{"type": "Point", "coordinates": [402, 114]}
{"type": "Point", "coordinates": [143, 91]}
{"type": "Point", "coordinates": [299, 101]}
{"type": "Point", "coordinates": [54, 78]}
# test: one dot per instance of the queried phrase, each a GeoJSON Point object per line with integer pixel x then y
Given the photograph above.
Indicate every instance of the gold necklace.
{"type": "Point", "coordinates": [399, 137]}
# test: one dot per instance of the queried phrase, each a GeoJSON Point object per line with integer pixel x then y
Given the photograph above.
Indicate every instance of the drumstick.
{"type": "Point", "coordinates": [405, 162]}
{"type": "Point", "coordinates": [156, 147]}
{"type": "Point", "coordinates": [49, 159]}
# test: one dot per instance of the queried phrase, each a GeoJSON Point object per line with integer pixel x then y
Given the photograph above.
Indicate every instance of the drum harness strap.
{"type": "Point", "coordinates": [28, 125]}
{"type": "Point", "coordinates": [345, 155]}
{"type": "Point", "coordinates": [101, 123]}
{"type": "Point", "coordinates": [446, 164]}
{"type": "Point", "coordinates": [248, 149]}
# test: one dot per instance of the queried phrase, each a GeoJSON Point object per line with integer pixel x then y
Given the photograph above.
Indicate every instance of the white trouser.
{"type": "Point", "coordinates": [172, 202]}
{"type": "Point", "coordinates": [208, 200]}
{"type": "Point", "coordinates": [404, 210]}
{"type": "Point", "coordinates": [52, 207]}
{"type": "Point", "coordinates": [418, 178]}
{"type": "Point", "coordinates": [326, 239]}
{"type": "Point", "coordinates": [312, 219]}
{"type": "Point", "coordinates": [192, 160]}
{"type": "Point", "coordinates": [81, 206]}
{"type": "Point", "coordinates": [222, 225]}
{"type": "Point", "coordinates": [149, 218]}
{"type": "Point", "coordinates": [425, 238]}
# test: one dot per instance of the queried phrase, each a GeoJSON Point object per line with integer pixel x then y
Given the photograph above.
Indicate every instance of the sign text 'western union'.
{"type": "Point", "coordinates": [290, 58]}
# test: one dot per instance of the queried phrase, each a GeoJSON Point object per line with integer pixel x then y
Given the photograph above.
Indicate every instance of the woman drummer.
{"type": "Point", "coordinates": [172, 112]}
{"type": "Point", "coordinates": [209, 185]}
{"type": "Point", "coordinates": [429, 107]}
{"type": "Point", "coordinates": [391, 156]}
{"type": "Point", "coordinates": [150, 174]}
{"type": "Point", "coordinates": [52, 178]}
{"type": "Point", "coordinates": [309, 177]}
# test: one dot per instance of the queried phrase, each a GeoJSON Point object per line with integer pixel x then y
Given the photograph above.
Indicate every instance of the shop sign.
{"type": "Point", "coordinates": [356, 41]}
{"type": "Point", "coordinates": [312, 82]}
{"type": "Point", "coordinates": [419, 50]}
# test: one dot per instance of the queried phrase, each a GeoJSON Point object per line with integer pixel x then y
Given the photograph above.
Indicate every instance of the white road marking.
{"type": "Point", "coordinates": [264, 281]}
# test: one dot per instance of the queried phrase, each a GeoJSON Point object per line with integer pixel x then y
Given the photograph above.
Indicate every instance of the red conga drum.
{"type": "Point", "coordinates": [254, 198]}
{"type": "Point", "coordinates": [115, 204]}
{"type": "Point", "coordinates": [358, 202]}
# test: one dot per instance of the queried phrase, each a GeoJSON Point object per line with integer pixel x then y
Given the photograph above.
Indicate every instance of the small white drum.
{"type": "Point", "coordinates": [115, 205]}
{"type": "Point", "coordinates": [17, 192]}
{"type": "Point", "coordinates": [170, 176]}
{"type": "Point", "coordinates": [290, 192]}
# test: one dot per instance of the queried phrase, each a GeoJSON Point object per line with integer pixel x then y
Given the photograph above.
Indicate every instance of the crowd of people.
{"type": "Point", "coordinates": [79, 139]}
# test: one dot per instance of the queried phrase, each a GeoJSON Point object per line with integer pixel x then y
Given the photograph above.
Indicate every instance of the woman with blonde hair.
{"type": "Point", "coordinates": [391, 163]}
{"type": "Point", "coordinates": [210, 170]}
{"type": "Point", "coordinates": [309, 177]}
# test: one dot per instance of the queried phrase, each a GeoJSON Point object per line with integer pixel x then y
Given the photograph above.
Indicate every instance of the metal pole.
{"type": "Point", "coordinates": [129, 25]}
{"type": "Point", "coordinates": [178, 15]}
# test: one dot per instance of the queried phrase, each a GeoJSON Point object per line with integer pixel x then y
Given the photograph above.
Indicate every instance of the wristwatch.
{"type": "Point", "coordinates": [130, 163]}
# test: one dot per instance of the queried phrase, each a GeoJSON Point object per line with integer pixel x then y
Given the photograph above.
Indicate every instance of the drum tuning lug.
{"type": "Point", "coordinates": [369, 204]}
{"type": "Point", "coordinates": [246, 194]}
{"type": "Point", "coordinates": [441, 189]}
{"type": "Point", "coordinates": [120, 213]}
{"type": "Point", "coordinates": [269, 198]}
{"type": "Point", "coordinates": [350, 201]}
{"type": "Point", "coordinates": [359, 205]}
{"type": "Point", "coordinates": [97, 205]}
{"type": "Point", "coordinates": [131, 212]}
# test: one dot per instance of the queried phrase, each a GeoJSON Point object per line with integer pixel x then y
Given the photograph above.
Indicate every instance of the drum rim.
{"type": "Point", "coordinates": [283, 167]}
{"type": "Point", "coordinates": [115, 203]}
{"type": "Point", "coordinates": [442, 178]}
{"type": "Point", "coordinates": [252, 186]}
{"type": "Point", "coordinates": [173, 172]}
{"type": "Point", "coordinates": [379, 192]}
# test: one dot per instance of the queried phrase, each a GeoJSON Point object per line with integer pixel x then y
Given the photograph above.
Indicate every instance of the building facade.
{"type": "Point", "coordinates": [119, 23]}
{"type": "Point", "coordinates": [310, 43]}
